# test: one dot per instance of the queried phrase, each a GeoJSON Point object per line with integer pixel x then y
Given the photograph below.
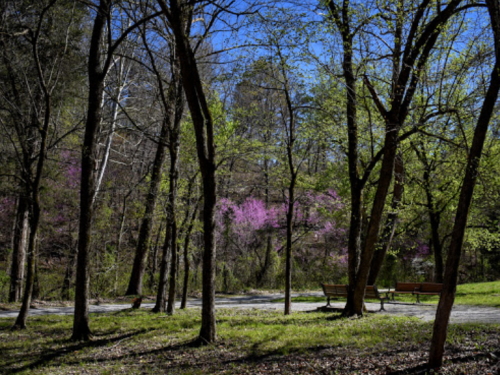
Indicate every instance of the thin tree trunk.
{"type": "Point", "coordinates": [97, 71]}
{"type": "Point", "coordinates": [375, 219]}
{"type": "Point", "coordinates": [20, 237]}
{"type": "Point", "coordinates": [267, 262]}
{"type": "Point", "coordinates": [109, 142]}
{"type": "Point", "coordinates": [174, 175]}
{"type": "Point", "coordinates": [434, 218]}
{"type": "Point", "coordinates": [119, 240]}
{"type": "Point", "coordinates": [30, 277]}
{"type": "Point", "coordinates": [36, 280]}
{"type": "Point", "coordinates": [267, 257]}
{"type": "Point", "coordinates": [81, 329]}
{"type": "Point", "coordinates": [136, 277]}
{"type": "Point", "coordinates": [390, 224]}
{"type": "Point", "coordinates": [154, 259]}
{"type": "Point", "coordinates": [205, 145]}
{"type": "Point", "coordinates": [68, 275]}
{"type": "Point", "coordinates": [186, 258]}
{"type": "Point", "coordinates": [161, 296]}
{"type": "Point", "coordinates": [455, 249]}
{"type": "Point", "coordinates": [434, 215]}
{"type": "Point", "coordinates": [415, 57]}
{"type": "Point", "coordinates": [341, 18]}
{"type": "Point", "coordinates": [288, 259]}
{"type": "Point", "coordinates": [35, 213]}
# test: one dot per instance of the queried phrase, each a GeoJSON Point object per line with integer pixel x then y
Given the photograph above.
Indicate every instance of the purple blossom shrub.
{"type": "Point", "coordinates": [60, 203]}
{"type": "Point", "coordinates": [319, 235]}
{"type": "Point", "coordinates": [71, 169]}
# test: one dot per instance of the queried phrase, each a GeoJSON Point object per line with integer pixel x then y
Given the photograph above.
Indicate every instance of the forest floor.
{"type": "Point", "coordinates": [251, 341]}
{"type": "Point", "coordinates": [254, 338]}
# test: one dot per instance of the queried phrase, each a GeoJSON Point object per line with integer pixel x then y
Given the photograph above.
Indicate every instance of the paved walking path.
{"type": "Point", "coordinates": [460, 313]}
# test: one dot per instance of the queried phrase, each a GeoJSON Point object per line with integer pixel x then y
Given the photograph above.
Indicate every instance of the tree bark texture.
{"type": "Point", "coordinates": [161, 295]}
{"type": "Point", "coordinates": [20, 236]}
{"type": "Point", "coordinates": [174, 146]}
{"type": "Point", "coordinates": [205, 145]}
{"type": "Point", "coordinates": [68, 275]}
{"type": "Point", "coordinates": [341, 19]}
{"type": "Point", "coordinates": [81, 329]}
{"type": "Point", "coordinates": [390, 223]}
{"type": "Point", "coordinates": [187, 239]}
{"type": "Point", "coordinates": [288, 259]}
{"type": "Point", "coordinates": [371, 239]}
{"type": "Point", "coordinates": [435, 221]}
{"type": "Point", "coordinates": [434, 215]}
{"type": "Point", "coordinates": [136, 277]}
{"type": "Point", "coordinates": [35, 210]}
{"type": "Point", "coordinates": [290, 209]}
{"type": "Point", "coordinates": [416, 53]}
{"type": "Point", "coordinates": [455, 249]}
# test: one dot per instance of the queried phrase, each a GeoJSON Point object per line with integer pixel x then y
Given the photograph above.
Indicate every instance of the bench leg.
{"type": "Point", "coordinates": [328, 301]}
{"type": "Point", "coordinates": [382, 305]}
{"type": "Point", "coordinates": [418, 298]}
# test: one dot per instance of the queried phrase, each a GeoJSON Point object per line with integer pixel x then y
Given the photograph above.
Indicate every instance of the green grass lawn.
{"type": "Point", "coordinates": [480, 294]}
{"type": "Point", "coordinates": [250, 341]}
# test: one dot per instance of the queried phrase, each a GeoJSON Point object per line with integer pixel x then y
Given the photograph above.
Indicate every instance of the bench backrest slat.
{"type": "Point", "coordinates": [431, 287]}
{"type": "Point", "coordinates": [407, 287]}
{"type": "Point", "coordinates": [334, 289]}
{"type": "Point", "coordinates": [371, 291]}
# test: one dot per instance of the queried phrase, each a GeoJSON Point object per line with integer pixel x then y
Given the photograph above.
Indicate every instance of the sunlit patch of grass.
{"type": "Point", "coordinates": [138, 341]}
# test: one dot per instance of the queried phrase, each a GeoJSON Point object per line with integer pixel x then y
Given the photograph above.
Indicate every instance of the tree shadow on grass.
{"type": "Point", "coordinates": [424, 369]}
{"type": "Point", "coordinates": [50, 355]}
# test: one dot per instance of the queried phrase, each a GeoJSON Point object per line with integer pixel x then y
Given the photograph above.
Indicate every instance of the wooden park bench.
{"type": "Point", "coordinates": [340, 291]}
{"type": "Point", "coordinates": [334, 291]}
{"type": "Point", "coordinates": [429, 289]}
{"type": "Point", "coordinates": [371, 292]}
{"type": "Point", "coordinates": [404, 288]}
{"type": "Point", "coordinates": [418, 289]}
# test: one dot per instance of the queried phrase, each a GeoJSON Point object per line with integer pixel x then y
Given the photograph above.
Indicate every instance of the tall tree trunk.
{"type": "Point", "coordinates": [161, 295]}
{"type": "Point", "coordinates": [435, 219]}
{"type": "Point", "coordinates": [455, 249]}
{"type": "Point", "coordinates": [341, 18]}
{"type": "Point", "coordinates": [205, 145]}
{"type": "Point", "coordinates": [406, 78]}
{"type": "Point", "coordinates": [30, 277]}
{"type": "Point", "coordinates": [36, 280]}
{"type": "Point", "coordinates": [186, 258]}
{"type": "Point", "coordinates": [35, 210]}
{"type": "Point", "coordinates": [267, 257]}
{"type": "Point", "coordinates": [109, 141]}
{"type": "Point", "coordinates": [68, 275]}
{"type": "Point", "coordinates": [20, 236]}
{"type": "Point", "coordinates": [434, 215]}
{"type": "Point", "coordinates": [174, 175]}
{"type": "Point", "coordinates": [390, 224]}
{"type": "Point", "coordinates": [371, 239]}
{"type": "Point", "coordinates": [81, 329]}
{"type": "Point", "coordinates": [119, 240]}
{"type": "Point", "coordinates": [154, 259]}
{"type": "Point", "coordinates": [135, 283]}
{"type": "Point", "coordinates": [288, 259]}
